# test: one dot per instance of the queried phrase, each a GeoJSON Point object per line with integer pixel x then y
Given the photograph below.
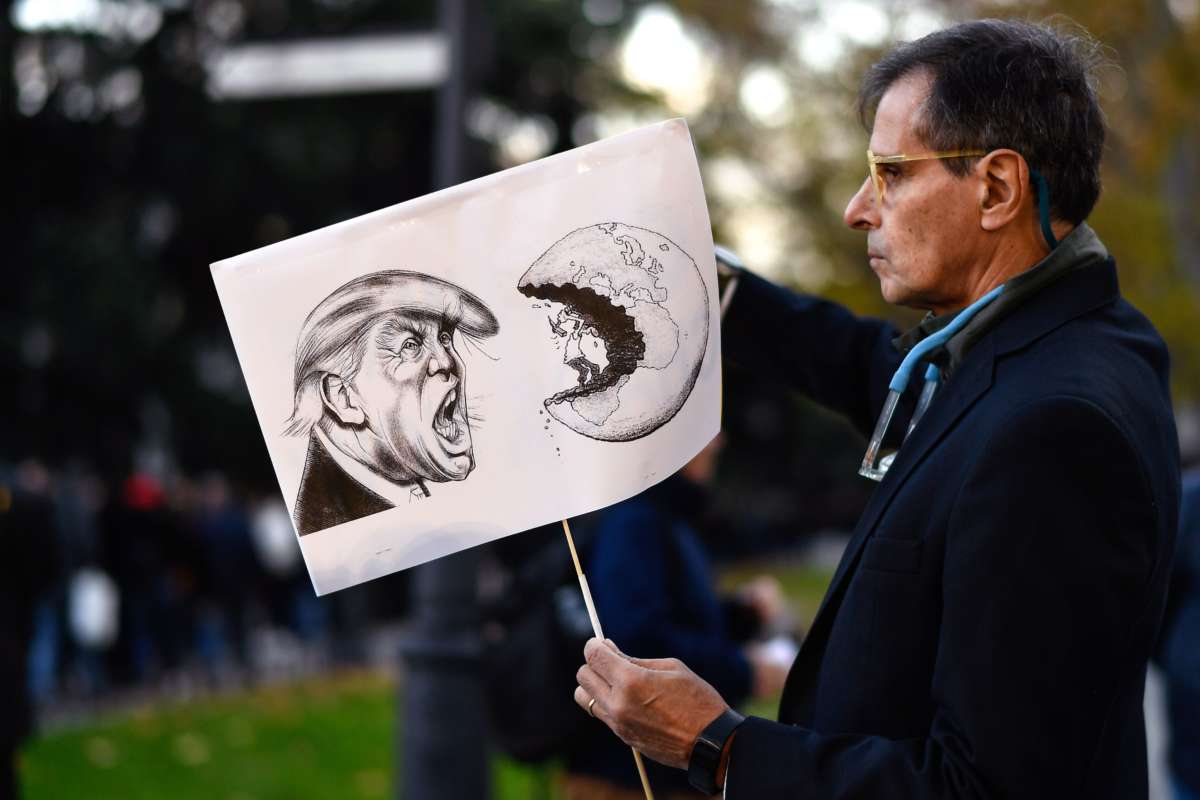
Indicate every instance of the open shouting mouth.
{"type": "Point", "coordinates": [450, 424]}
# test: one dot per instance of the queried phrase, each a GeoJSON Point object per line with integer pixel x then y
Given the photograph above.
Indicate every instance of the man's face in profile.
{"type": "Point", "coordinates": [410, 385]}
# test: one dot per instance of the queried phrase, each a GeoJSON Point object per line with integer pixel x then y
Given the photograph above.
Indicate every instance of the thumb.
{"type": "Point", "coordinates": [663, 665]}
{"type": "Point", "coordinates": [659, 664]}
{"type": "Point", "coordinates": [644, 663]}
{"type": "Point", "coordinates": [611, 645]}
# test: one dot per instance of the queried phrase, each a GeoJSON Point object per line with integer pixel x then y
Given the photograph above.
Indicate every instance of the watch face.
{"type": "Point", "coordinates": [702, 768]}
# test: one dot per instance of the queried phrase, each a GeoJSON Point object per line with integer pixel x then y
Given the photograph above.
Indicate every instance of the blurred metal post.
{"type": "Point", "coordinates": [8, 74]}
{"type": "Point", "coordinates": [443, 743]}
{"type": "Point", "coordinates": [450, 147]}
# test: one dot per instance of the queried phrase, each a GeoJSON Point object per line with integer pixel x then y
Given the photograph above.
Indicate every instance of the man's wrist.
{"type": "Point", "coordinates": [710, 752]}
{"type": "Point", "coordinates": [723, 769]}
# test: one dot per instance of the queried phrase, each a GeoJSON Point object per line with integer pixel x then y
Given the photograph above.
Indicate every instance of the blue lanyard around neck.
{"type": "Point", "coordinates": [935, 340]}
{"type": "Point", "coordinates": [873, 466]}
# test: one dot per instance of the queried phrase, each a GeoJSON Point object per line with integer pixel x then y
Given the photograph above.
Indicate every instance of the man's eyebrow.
{"type": "Point", "coordinates": [451, 317]}
{"type": "Point", "coordinates": [398, 326]}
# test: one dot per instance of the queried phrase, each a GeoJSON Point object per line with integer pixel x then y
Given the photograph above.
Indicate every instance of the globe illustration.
{"type": "Point", "coordinates": [629, 312]}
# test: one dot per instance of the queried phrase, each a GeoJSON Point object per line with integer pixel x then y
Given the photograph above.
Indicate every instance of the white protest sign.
{"type": "Point", "coordinates": [509, 352]}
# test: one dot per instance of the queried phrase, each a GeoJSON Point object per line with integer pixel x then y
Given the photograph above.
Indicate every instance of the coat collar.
{"type": "Point", "coordinates": [1075, 295]}
{"type": "Point", "coordinates": [1080, 249]}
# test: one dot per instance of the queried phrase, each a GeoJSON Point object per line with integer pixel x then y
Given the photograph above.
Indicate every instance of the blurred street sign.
{"type": "Point", "coordinates": [330, 66]}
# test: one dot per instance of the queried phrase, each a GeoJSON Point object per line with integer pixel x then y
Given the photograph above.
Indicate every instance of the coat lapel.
{"type": "Point", "coordinates": [953, 400]}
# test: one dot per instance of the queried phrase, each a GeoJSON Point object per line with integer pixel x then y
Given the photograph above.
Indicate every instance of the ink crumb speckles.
{"type": "Point", "coordinates": [546, 427]}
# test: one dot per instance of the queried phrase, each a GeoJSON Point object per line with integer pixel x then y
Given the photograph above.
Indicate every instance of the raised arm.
{"type": "Point", "coordinates": [841, 361]}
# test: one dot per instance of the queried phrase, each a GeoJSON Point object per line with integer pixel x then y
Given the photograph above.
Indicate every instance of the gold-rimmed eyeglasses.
{"type": "Point", "coordinates": [873, 162]}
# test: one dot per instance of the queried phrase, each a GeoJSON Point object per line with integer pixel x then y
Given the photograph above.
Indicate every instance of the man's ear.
{"type": "Point", "coordinates": [342, 401]}
{"type": "Point", "coordinates": [1005, 191]}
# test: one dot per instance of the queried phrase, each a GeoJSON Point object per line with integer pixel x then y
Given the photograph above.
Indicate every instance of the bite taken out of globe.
{"type": "Point", "coordinates": [629, 310]}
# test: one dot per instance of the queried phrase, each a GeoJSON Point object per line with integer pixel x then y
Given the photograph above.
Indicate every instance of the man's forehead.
{"type": "Point", "coordinates": [896, 118]}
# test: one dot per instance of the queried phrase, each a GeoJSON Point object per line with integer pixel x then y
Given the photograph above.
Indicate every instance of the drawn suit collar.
{"type": "Point", "coordinates": [398, 494]}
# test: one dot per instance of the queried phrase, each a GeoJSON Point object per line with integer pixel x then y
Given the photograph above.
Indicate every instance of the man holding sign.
{"type": "Point", "coordinates": [987, 631]}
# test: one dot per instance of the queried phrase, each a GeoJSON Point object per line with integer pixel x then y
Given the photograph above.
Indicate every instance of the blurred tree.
{"type": "Point", "coordinates": [125, 179]}
{"type": "Point", "coordinates": [1147, 215]}
{"type": "Point", "coordinates": [782, 150]}
{"type": "Point", "coordinates": [128, 180]}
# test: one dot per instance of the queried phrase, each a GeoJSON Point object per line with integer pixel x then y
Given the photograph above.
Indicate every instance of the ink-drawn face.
{"type": "Point", "coordinates": [411, 386]}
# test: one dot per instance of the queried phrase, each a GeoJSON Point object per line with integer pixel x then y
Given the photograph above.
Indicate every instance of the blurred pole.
{"type": "Point", "coordinates": [450, 148]}
{"type": "Point", "coordinates": [443, 737]}
{"type": "Point", "coordinates": [8, 77]}
{"type": "Point", "coordinates": [443, 742]}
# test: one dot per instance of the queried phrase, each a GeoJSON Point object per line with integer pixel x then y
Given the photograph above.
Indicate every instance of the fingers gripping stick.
{"type": "Point", "coordinates": [591, 609]}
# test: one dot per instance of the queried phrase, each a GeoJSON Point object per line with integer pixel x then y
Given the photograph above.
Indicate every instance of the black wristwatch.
{"type": "Point", "coordinates": [706, 752]}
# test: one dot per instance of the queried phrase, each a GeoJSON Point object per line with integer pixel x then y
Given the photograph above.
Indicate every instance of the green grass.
{"type": "Point", "coordinates": [515, 781]}
{"type": "Point", "coordinates": [324, 738]}
{"type": "Point", "coordinates": [332, 737]}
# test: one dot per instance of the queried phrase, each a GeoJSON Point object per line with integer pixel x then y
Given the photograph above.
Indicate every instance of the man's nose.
{"type": "Point", "coordinates": [861, 212]}
{"type": "Point", "coordinates": [440, 359]}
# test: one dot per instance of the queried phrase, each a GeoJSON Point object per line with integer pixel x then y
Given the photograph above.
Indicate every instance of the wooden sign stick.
{"type": "Point", "coordinates": [591, 609]}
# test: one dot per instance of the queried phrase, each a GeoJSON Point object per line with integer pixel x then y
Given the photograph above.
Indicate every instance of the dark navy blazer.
{"type": "Point", "coordinates": [987, 631]}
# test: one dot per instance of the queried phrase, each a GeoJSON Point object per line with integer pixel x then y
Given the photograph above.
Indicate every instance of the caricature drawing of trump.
{"type": "Point", "coordinates": [379, 393]}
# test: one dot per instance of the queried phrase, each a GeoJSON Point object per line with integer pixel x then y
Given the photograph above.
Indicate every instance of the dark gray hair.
{"type": "Point", "coordinates": [1007, 84]}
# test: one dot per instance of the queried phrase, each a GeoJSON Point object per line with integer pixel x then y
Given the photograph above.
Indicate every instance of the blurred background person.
{"type": "Point", "coordinates": [653, 586]}
{"type": "Point", "coordinates": [287, 591]}
{"type": "Point", "coordinates": [1179, 648]}
{"type": "Point", "coordinates": [140, 533]}
{"type": "Point", "coordinates": [223, 546]}
{"type": "Point", "coordinates": [28, 567]}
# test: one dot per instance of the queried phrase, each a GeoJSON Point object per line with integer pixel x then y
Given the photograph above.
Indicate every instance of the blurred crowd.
{"type": "Point", "coordinates": [145, 580]}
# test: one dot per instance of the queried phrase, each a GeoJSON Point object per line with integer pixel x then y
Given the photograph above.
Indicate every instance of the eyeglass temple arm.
{"type": "Point", "coordinates": [923, 156]}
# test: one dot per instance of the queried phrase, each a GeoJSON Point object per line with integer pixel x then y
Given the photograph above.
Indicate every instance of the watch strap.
{"type": "Point", "coordinates": [706, 752]}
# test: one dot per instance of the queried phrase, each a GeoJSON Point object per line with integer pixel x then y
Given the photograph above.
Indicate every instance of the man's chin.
{"type": "Point", "coordinates": [894, 294]}
{"type": "Point", "coordinates": [461, 467]}
{"type": "Point", "coordinates": [888, 289]}
{"type": "Point", "coordinates": [447, 467]}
